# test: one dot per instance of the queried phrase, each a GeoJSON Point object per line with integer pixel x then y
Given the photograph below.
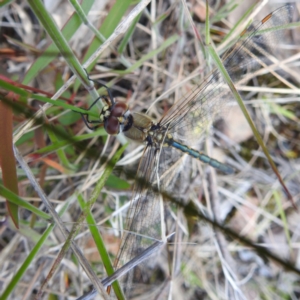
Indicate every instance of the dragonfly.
{"type": "Point", "coordinates": [174, 134]}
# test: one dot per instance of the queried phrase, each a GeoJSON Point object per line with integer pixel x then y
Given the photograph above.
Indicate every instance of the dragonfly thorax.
{"type": "Point", "coordinates": [137, 126]}
{"type": "Point", "coordinates": [141, 128]}
{"type": "Point", "coordinates": [157, 135]}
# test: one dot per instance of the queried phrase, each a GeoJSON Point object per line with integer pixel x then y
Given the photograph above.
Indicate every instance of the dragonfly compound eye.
{"type": "Point", "coordinates": [112, 125]}
{"type": "Point", "coordinates": [119, 109]}
{"type": "Point", "coordinates": [112, 122]}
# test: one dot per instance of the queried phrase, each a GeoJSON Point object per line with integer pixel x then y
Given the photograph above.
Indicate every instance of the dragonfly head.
{"type": "Point", "coordinates": [114, 117]}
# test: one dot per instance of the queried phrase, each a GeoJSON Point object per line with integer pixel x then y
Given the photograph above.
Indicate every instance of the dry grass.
{"type": "Point", "coordinates": [160, 63]}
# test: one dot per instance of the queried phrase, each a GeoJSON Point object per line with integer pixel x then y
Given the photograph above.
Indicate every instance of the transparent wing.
{"type": "Point", "coordinates": [251, 52]}
{"type": "Point", "coordinates": [143, 224]}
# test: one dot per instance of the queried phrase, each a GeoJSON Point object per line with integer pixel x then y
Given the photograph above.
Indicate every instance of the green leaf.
{"type": "Point", "coordinates": [117, 183]}
{"type": "Point", "coordinates": [18, 201]}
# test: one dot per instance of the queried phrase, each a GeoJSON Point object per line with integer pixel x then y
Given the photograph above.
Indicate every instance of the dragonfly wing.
{"type": "Point", "coordinates": [253, 51]}
{"type": "Point", "coordinates": [143, 224]}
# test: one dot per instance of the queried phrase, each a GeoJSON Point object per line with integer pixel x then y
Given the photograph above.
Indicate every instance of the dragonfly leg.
{"type": "Point", "coordinates": [107, 88]}
{"type": "Point", "coordinates": [85, 117]}
{"type": "Point", "coordinates": [87, 121]}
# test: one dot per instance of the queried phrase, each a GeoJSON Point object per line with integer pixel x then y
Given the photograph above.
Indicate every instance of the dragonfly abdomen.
{"type": "Point", "coordinates": [201, 156]}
